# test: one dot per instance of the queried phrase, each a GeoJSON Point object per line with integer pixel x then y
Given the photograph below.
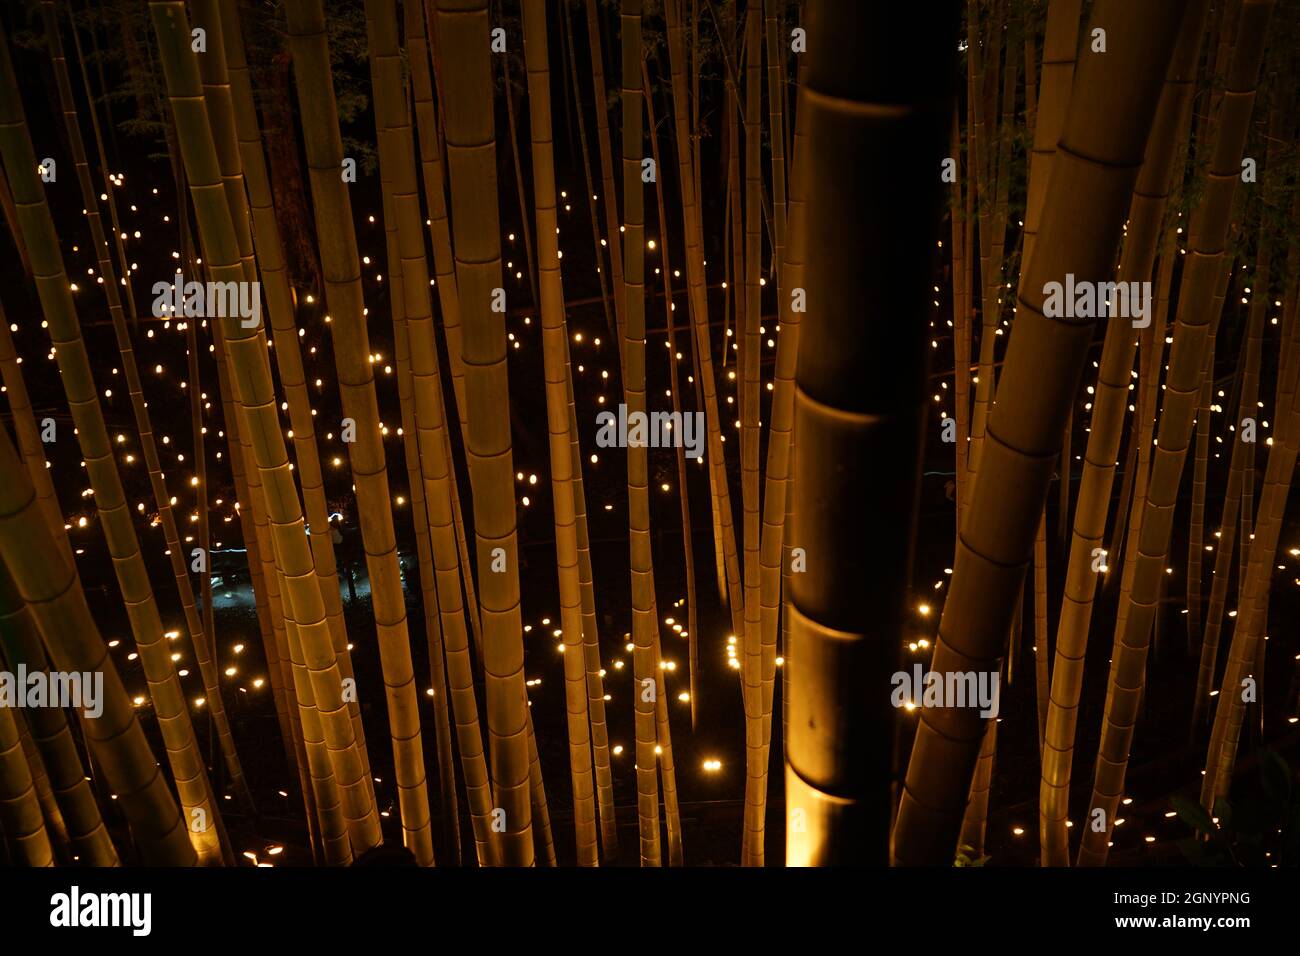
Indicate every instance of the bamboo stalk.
{"type": "Point", "coordinates": [471, 152]}
{"type": "Point", "coordinates": [880, 89]}
{"type": "Point", "coordinates": [20, 639]}
{"type": "Point", "coordinates": [341, 267]}
{"type": "Point", "coordinates": [752, 671]}
{"type": "Point", "coordinates": [21, 820]}
{"type": "Point", "coordinates": [49, 585]}
{"type": "Point", "coordinates": [601, 107]}
{"type": "Point", "coordinates": [556, 359]}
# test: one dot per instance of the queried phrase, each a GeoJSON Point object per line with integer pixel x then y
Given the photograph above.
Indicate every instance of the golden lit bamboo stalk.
{"type": "Point", "coordinates": [774, 546]}
{"type": "Point", "coordinates": [471, 160]}
{"type": "Point", "coordinates": [555, 347]}
{"type": "Point", "coordinates": [433, 167]}
{"type": "Point", "coordinates": [699, 314]}
{"type": "Point", "coordinates": [49, 585]}
{"type": "Point", "coordinates": [634, 389]}
{"type": "Point", "coordinates": [341, 265]}
{"type": "Point", "coordinates": [55, 825]}
{"type": "Point", "coordinates": [1251, 622]}
{"type": "Point", "coordinates": [424, 554]}
{"type": "Point", "coordinates": [20, 640]}
{"type": "Point", "coordinates": [21, 820]}
{"type": "Point", "coordinates": [860, 398]}
{"type": "Point", "coordinates": [320, 789]}
{"type": "Point", "coordinates": [974, 823]}
{"type": "Point", "coordinates": [591, 650]}
{"type": "Point", "coordinates": [1060, 52]}
{"type": "Point", "coordinates": [683, 494]}
{"type": "Point", "coordinates": [442, 507]}
{"type": "Point", "coordinates": [544, 845]}
{"type": "Point", "coordinates": [751, 343]}
{"type": "Point", "coordinates": [664, 751]}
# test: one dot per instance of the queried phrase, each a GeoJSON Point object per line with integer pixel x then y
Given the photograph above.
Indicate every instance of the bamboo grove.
{"type": "Point", "coordinates": [660, 432]}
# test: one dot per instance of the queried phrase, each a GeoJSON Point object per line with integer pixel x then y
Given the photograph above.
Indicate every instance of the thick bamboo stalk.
{"type": "Point", "coordinates": [1193, 334]}
{"type": "Point", "coordinates": [450, 821]}
{"type": "Point", "coordinates": [555, 346]}
{"type": "Point", "coordinates": [879, 90]}
{"type": "Point", "coordinates": [21, 820]}
{"type": "Point", "coordinates": [20, 641]}
{"type": "Point", "coordinates": [975, 821]}
{"type": "Point", "coordinates": [683, 492]}
{"type": "Point", "coordinates": [1060, 51]}
{"type": "Point", "coordinates": [321, 793]}
{"type": "Point", "coordinates": [1101, 150]}
{"type": "Point", "coordinates": [49, 585]}
{"type": "Point", "coordinates": [441, 501]}
{"type": "Point", "coordinates": [29, 437]}
{"type": "Point", "coordinates": [774, 547]}
{"type": "Point", "coordinates": [544, 842]}
{"type": "Point", "coordinates": [51, 815]}
{"type": "Point", "coordinates": [471, 161]}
